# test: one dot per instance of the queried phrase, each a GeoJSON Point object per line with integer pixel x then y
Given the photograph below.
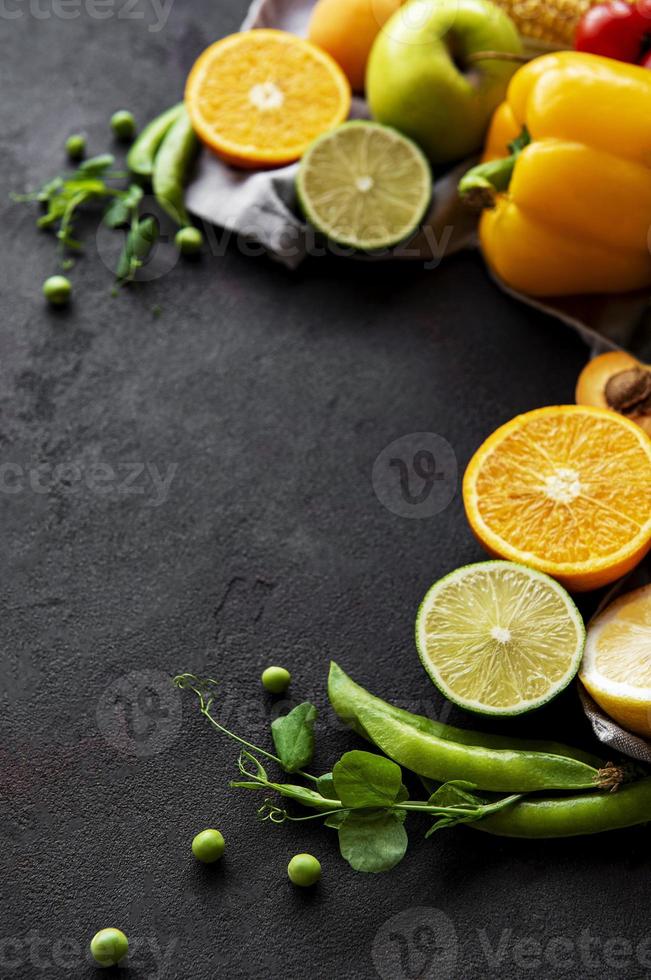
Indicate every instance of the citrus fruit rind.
{"type": "Point", "coordinates": [258, 98]}
{"type": "Point", "coordinates": [565, 490]}
{"type": "Point", "coordinates": [364, 185]}
{"type": "Point", "coordinates": [498, 638]}
{"type": "Point", "coordinates": [616, 667]}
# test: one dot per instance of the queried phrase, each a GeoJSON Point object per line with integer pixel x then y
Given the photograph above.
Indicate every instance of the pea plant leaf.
{"type": "Point", "coordinates": [121, 209]}
{"type": "Point", "coordinates": [335, 820]}
{"type": "Point", "coordinates": [373, 841]}
{"type": "Point", "coordinates": [293, 737]}
{"type": "Point", "coordinates": [326, 786]}
{"type": "Point", "coordinates": [466, 805]}
{"type": "Point", "coordinates": [456, 792]}
{"type": "Point", "coordinates": [363, 779]}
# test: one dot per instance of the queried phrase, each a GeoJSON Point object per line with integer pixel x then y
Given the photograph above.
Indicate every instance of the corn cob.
{"type": "Point", "coordinates": [546, 24]}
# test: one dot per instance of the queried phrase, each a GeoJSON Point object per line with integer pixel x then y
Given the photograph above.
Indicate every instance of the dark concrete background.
{"type": "Point", "coordinates": [271, 394]}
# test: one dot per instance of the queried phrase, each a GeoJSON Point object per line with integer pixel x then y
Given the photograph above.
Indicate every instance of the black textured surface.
{"type": "Point", "coordinates": [272, 394]}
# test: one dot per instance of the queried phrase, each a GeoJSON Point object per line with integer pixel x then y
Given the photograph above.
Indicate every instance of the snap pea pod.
{"type": "Point", "coordinates": [348, 698]}
{"type": "Point", "coordinates": [442, 753]}
{"type": "Point", "coordinates": [171, 168]}
{"type": "Point", "coordinates": [140, 158]}
{"type": "Point", "coordinates": [573, 816]}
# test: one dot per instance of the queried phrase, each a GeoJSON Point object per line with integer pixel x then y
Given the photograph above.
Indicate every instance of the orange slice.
{"type": "Point", "coordinates": [259, 98]}
{"type": "Point", "coordinates": [565, 490]}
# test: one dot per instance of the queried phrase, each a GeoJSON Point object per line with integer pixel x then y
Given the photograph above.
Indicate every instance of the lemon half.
{"type": "Point", "coordinates": [616, 666]}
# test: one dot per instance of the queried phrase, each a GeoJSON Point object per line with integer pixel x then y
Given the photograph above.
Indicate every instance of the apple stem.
{"type": "Point", "coordinates": [521, 59]}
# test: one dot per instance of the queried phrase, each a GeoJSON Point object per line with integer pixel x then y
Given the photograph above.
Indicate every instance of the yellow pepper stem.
{"type": "Point", "coordinates": [480, 186]}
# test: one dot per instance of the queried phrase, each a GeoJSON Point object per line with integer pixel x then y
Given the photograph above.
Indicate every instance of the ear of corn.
{"type": "Point", "coordinates": [546, 25]}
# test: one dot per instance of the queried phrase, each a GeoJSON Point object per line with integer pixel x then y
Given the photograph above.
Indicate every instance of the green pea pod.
{"type": "Point", "coordinates": [348, 698]}
{"type": "Point", "coordinates": [443, 753]}
{"type": "Point", "coordinates": [572, 816]}
{"type": "Point", "coordinates": [140, 158]}
{"type": "Point", "coordinates": [172, 166]}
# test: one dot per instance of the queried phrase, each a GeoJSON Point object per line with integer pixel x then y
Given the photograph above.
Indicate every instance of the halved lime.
{"type": "Point", "coordinates": [364, 185]}
{"type": "Point", "coordinates": [499, 638]}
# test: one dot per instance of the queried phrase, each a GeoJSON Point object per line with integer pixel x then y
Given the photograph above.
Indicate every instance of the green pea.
{"type": "Point", "coordinates": [141, 155]}
{"type": "Point", "coordinates": [571, 816]}
{"type": "Point", "coordinates": [208, 846]}
{"type": "Point", "coordinates": [188, 240]}
{"type": "Point", "coordinates": [123, 124]}
{"type": "Point", "coordinates": [57, 290]}
{"type": "Point", "coordinates": [76, 146]}
{"type": "Point", "coordinates": [109, 946]}
{"type": "Point", "coordinates": [304, 870]}
{"type": "Point", "coordinates": [442, 753]}
{"type": "Point", "coordinates": [172, 166]}
{"type": "Point", "coordinates": [276, 679]}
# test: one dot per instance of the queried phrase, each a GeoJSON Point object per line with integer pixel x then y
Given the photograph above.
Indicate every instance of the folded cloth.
{"type": "Point", "coordinates": [612, 734]}
{"type": "Point", "coordinates": [260, 206]}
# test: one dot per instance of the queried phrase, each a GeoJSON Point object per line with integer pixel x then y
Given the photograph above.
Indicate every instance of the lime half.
{"type": "Point", "coordinates": [499, 638]}
{"type": "Point", "coordinates": [364, 185]}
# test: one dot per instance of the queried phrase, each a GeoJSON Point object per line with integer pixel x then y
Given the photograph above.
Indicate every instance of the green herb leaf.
{"type": "Point", "coordinates": [374, 841]}
{"type": "Point", "coordinates": [335, 820]}
{"type": "Point", "coordinates": [117, 214]}
{"type": "Point", "coordinates": [468, 805]}
{"type": "Point", "coordinates": [363, 779]}
{"type": "Point", "coordinates": [456, 792]}
{"type": "Point", "coordinates": [326, 786]}
{"type": "Point", "coordinates": [121, 209]}
{"type": "Point", "coordinates": [293, 736]}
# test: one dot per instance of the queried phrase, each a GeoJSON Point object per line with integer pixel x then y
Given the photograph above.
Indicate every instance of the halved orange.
{"type": "Point", "coordinates": [565, 490]}
{"type": "Point", "coordinates": [260, 97]}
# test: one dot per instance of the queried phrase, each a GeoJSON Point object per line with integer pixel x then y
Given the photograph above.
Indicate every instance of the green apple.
{"type": "Point", "coordinates": [421, 78]}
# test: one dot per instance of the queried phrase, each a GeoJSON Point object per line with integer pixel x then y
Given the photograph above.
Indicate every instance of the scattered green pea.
{"type": "Point", "coordinates": [57, 290]}
{"type": "Point", "coordinates": [109, 946]}
{"type": "Point", "coordinates": [304, 870]}
{"type": "Point", "coordinates": [276, 679]}
{"type": "Point", "coordinates": [208, 846]}
{"type": "Point", "coordinates": [76, 146]}
{"type": "Point", "coordinates": [123, 124]}
{"type": "Point", "coordinates": [188, 240]}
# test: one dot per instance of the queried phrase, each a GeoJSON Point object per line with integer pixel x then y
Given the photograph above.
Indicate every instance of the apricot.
{"type": "Point", "coordinates": [618, 381]}
{"type": "Point", "coordinates": [346, 29]}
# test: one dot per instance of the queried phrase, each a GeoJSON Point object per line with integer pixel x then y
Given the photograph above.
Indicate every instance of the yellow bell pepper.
{"type": "Point", "coordinates": [570, 211]}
